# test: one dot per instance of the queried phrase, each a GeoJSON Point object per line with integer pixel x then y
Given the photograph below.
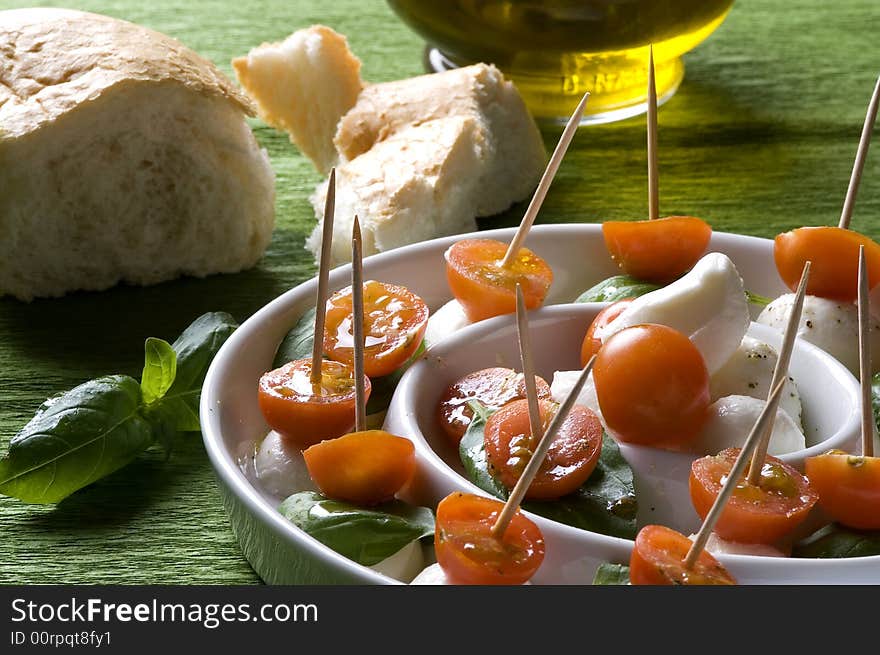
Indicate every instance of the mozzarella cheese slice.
{"type": "Point", "coordinates": [731, 419]}
{"type": "Point", "coordinates": [708, 304]}
{"type": "Point", "coordinates": [405, 564]}
{"type": "Point", "coordinates": [280, 467]}
{"type": "Point", "coordinates": [445, 321]}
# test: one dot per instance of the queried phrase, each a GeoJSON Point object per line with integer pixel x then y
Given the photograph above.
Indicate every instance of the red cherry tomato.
{"type": "Point", "coordinates": [492, 387]}
{"type": "Point", "coordinates": [657, 251]}
{"type": "Point", "coordinates": [571, 459]}
{"type": "Point", "coordinates": [469, 553]}
{"type": "Point", "coordinates": [758, 514]}
{"type": "Point", "coordinates": [658, 559]}
{"type": "Point", "coordinates": [395, 320]}
{"type": "Point", "coordinates": [305, 413]}
{"type": "Point", "coordinates": [652, 385]}
{"type": "Point", "coordinates": [364, 468]}
{"type": "Point", "coordinates": [591, 344]}
{"type": "Point", "coordinates": [485, 289]}
{"type": "Point", "coordinates": [848, 487]}
{"type": "Point", "coordinates": [834, 256]}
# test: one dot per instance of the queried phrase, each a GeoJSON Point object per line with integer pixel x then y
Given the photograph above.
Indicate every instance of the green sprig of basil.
{"type": "Point", "coordinates": [836, 541]}
{"type": "Point", "coordinates": [611, 574]}
{"type": "Point", "coordinates": [101, 425]}
{"type": "Point", "coordinates": [605, 503]}
{"type": "Point", "coordinates": [875, 398]}
{"type": "Point", "coordinates": [365, 535]}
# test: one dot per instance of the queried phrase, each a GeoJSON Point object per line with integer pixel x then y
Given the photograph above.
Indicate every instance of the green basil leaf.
{"type": "Point", "coordinates": [366, 536]}
{"type": "Point", "coordinates": [834, 541]}
{"type": "Point", "coordinates": [160, 369]}
{"type": "Point", "coordinates": [299, 342]}
{"type": "Point", "coordinates": [195, 349]}
{"type": "Point", "coordinates": [757, 299]}
{"type": "Point", "coordinates": [617, 288]}
{"type": "Point", "coordinates": [75, 439]}
{"type": "Point", "coordinates": [605, 503]}
{"type": "Point", "coordinates": [611, 574]}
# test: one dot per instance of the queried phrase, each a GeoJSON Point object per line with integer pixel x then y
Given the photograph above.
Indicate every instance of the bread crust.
{"type": "Point", "coordinates": [53, 60]}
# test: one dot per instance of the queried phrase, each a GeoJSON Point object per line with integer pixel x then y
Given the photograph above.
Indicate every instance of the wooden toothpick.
{"type": "Point", "coordinates": [546, 179]}
{"type": "Point", "coordinates": [653, 175]}
{"type": "Point", "coordinates": [357, 319]}
{"type": "Point", "coordinates": [323, 279]}
{"type": "Point", "coordinates": [780, 372]}
{"type": "Point", "coordinates": [861, 153]}
{"type": "Point", "coordinates": [537, 458]}
{"type": "Point", "coordinates": [865, 358]}
{"type": "Point", "coordinates": [766, 418]}
{"type": "Point", "coordinates": [528, 365]}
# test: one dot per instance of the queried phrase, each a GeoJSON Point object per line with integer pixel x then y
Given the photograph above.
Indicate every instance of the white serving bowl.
{"type": "Point", "coordinates": [829, 392]}
{"type": "Point", "coordinates": [232, 423]}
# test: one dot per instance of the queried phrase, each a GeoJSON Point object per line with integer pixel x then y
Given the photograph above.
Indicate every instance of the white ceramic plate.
{"type": "Point", "coordinates": [232, 422]}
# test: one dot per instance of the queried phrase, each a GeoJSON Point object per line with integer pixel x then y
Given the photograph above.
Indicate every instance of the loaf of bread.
{"type": "Point", "coordinates": [416, 158]}
{"type": "Point", "coordinates": [124, 156]}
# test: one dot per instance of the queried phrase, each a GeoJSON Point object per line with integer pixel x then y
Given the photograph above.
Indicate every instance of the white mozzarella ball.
{"type": "Point", "coordinates": [731, 419]}
{"type": "Point", "coordinates": [405, 564]}
{"type": "Point", "coordinates": [749, 372]}
{"type": "Point", "coordinates": [832, 326]}
{"type": "Point", "coordinates": [563, 383]}
{"type": "Point", "coordinates": [718, 546]}
{"type": "Point", "coordinates": [448, 319]}
{"type": "Point", "coordinates": [708, 304]}
{"type": "Point", "coordinates": [280, 467]}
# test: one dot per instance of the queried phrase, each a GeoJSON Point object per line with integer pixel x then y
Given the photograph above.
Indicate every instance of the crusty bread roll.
{"type": "Point", "coordinates": [124, 156]}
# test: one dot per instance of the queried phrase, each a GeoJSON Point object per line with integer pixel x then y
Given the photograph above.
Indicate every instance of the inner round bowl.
{"type": "Point", "coordinates": [829, 392]}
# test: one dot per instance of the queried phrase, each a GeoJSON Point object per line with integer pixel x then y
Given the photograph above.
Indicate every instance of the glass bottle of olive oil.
{"type": "Point", "coordinates": [555, 50]}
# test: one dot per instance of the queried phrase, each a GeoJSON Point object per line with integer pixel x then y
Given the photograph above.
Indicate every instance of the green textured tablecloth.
{"type": "Point", "coordinates": [760, 138]}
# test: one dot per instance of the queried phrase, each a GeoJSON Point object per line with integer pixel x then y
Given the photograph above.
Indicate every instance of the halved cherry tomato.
{"type": "Point", "coordinates": [658, 559]}
{"type": "Point", "coordinates": [365, 468]}
{"type": "Point", "coordinates": [305, 413]}
{"type": "Point", "coordinates": [571, 459]}
{"type": "Point", "coordinates": [756, 514]}
{"type": "Point", "coordinates": [848, 487]}
{"type": "Point", "coordinates": [652, 385]}
{"type": "Point", "coordinates": [834, 256]}
{"type": "Point", "coordinates": [591, 344]}
{"type": "Point", "coordinates": [660, 250]}
{"type": "Point", "coordinates": [469, 553]}
{"type": "Point", "coordinates": [484, 288]}
{"type": "Point", "coordinates": [394, 324]}
{"type": "Point", "coordinates": [492, 387]}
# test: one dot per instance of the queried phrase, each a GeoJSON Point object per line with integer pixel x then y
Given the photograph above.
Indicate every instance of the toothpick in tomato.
{"type": "Point", "coordinates": [834, 253]}
{"type": "Point", "coordinates": [652, 385]}
{"type": "Point", "coordinates": [762, 513]}
{"type": "Point", "coordinates": [658, 558]}
{"type": "Point", "coordinates": [306, 413]}
{"type": "Point", "coordinates": [659, 250]}
{"type": "Point", "coordinates": [848, 487]}
{"type": "Point", "coordinates": [491, 387]}
{"type": "Point", "coordinates": [484, 287]}
{"type": "Point", "coordinates": [364, 468]}
{"type": "Point", "coordinates": [469, 553]}
{"type": "Point", "coordinates": [572, 456]}
{"type": "Point", "coordinates": [395, 321]}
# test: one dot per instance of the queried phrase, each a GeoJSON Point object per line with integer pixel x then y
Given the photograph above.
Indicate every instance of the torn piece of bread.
{"type": "Point", "coordinates": [415, 184]}
{"type": "Point", "coordinates": [123, 156]}
{"type": "Point", "coordinates": [304, 85]}
{"type": "Point", "coordinates": [479, 92]}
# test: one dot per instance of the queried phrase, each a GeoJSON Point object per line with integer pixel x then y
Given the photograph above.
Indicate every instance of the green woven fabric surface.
{"type": "Point", "coordinates": [760, 138]}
